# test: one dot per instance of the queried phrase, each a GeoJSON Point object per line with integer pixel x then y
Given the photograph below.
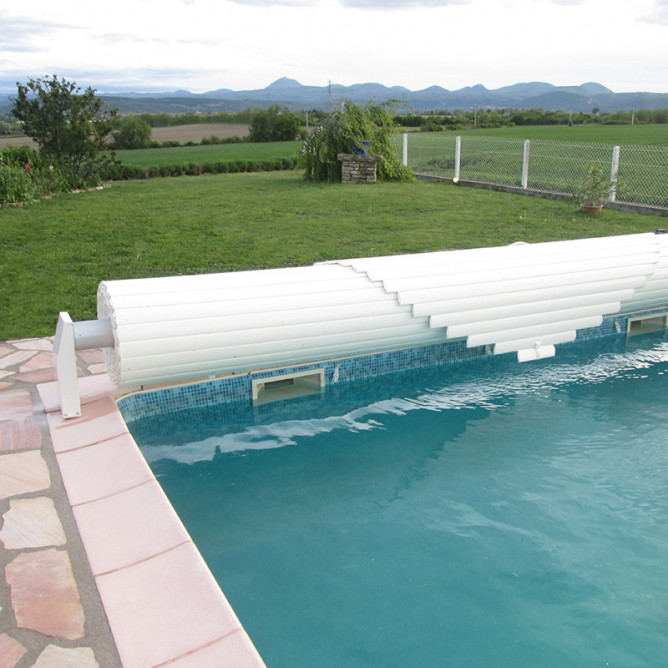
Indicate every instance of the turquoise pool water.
{"type": "Point", "coordinates": [483, 514]}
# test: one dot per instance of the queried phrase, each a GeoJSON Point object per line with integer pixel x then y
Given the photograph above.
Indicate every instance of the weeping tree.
{"type": "Point", "coordinates": [70, 126]}
{"type": "Point", "coordinates": [350, 124]}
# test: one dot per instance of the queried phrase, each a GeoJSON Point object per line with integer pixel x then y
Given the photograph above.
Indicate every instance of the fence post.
{"type": "Point", "coordinates": [525, 164]}
{"type": "Point", "coordinates": [612, 195]}
{"type": "Point", "coordinates": [458, 158]}
{"type": "Point", "coordinates": [404, 156]}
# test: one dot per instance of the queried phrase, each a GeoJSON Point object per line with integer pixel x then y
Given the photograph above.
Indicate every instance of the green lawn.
{"type": "Point", "coordinates": [55, 252]}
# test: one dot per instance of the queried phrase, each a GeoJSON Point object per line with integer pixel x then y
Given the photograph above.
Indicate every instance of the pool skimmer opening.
{"type": "Point", "coordinates": [288, 386]}
{"type": "Point", "coordinates": [647, 323]}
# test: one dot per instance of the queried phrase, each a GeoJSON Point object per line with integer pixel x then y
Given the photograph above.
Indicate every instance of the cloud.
{"type": "Point", "coordinates": [658, 15]}
{"type": "Point", "coordinates": [23, 35]}
{"type": "Point", "coordinates": [269, 3]}
{"type": "Point", "coordinates": [400, 4]}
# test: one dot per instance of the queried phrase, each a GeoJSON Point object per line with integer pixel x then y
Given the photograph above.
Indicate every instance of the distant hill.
{"type": "Point", "coordinates": [290, 93]}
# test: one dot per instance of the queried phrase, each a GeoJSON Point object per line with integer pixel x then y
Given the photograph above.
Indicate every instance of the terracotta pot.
{"type": "Point", "coordinates": [591, 208]}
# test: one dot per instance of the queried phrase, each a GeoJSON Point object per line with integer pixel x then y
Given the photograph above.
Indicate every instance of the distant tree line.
{"type": "Point", "coordinates": [497, 118]}
{"type": "Point", "coordinates": [164, 120]}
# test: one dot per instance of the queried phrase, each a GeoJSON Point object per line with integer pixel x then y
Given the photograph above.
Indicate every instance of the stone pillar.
{"type": "Point", "coordinates": [358, 168]}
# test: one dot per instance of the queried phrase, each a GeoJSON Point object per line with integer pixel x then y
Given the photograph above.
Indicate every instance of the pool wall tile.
{"type": "Point", "coordinates": [238, 388]}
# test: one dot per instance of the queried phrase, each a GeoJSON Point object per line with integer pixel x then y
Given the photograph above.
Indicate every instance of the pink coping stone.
{"type": "Point", "coordinates": [91, 389]}
{"type": "Point", "coordinates": [99, 421]}
{"type": "Point", "coordinates": [235, 650]}
{"type": "Point", "coordinates": [44, 594]}
{"type": "Point", "coordinates": [103, 469]}
{"type": "Point", "coordinates": [129, 527]}
{"type": "Point", "coordinates": [15, 404]}
{"type": "Point", "coordinates": [23, 434]}
{"type": "Point", "coordinates": [165, 607]}
{"type": "Point", "coordinates": [22, 473]}
{"type": "Point", "coordinates": [11, 651]}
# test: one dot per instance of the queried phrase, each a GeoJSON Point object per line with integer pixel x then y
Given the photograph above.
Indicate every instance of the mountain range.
{"type": "Point", "coordinates": [290, 93]}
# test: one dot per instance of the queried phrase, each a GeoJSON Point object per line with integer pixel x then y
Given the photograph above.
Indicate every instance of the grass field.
{"type": "Point", "coordinates": [55, 252]}
{"type": "Point", "coordinates": [154, 157]}
{"type": "Point", "coordinates": [603, 134]}
{"type": "Point", "coordinates": [556, 165]}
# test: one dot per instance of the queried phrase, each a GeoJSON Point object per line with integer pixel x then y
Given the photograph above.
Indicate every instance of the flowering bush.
{"type": "Point", "coordinates": [15, 184]}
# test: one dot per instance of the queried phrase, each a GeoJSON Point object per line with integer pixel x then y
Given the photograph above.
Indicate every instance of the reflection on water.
{"type": "Point", "coordinates": [200, 433]}
{"type": "Point", "coordinates": [487, 514]}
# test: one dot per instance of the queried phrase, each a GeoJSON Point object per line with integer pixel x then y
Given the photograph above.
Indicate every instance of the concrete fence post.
{"type": "Point", "coordinates": [458, 158]}
{"type": "Point", "coordinates": [614, 169]}
{"type": "Point", "coordinates": [404, 156]}
{"type": "Point", "coordinates": [525, 164]}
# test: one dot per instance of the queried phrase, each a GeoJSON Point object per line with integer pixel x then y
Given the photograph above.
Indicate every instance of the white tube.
{"type": "Point", "coordinates": [526, 307]}
{"type": "Point", "coordinates": [527, 322]}
{"type": "Point", "coordinates": [521, 344]}
{"type": "Point", "coordinates": [608, 291]}
{"type": "Point", "coordinates": [261, 312]}
{"type": "Point", "coordinates": [535, 333]}
{"type": "Point", "coordinates": [498, 287]}
{"type": "Point", "coordinates": [197, 334]}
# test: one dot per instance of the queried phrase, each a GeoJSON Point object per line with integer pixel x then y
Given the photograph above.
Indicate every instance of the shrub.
{"type": "Point", "coordinates": [15, 184]}
{"type": "Point", "coordinates": [347, 126]}
{"type": "Point", "coordinates": [70, 127]}
{"type": "Point", "coordinates": [133, 133]}
{"type": "Point", "coordinates": [274, 124]}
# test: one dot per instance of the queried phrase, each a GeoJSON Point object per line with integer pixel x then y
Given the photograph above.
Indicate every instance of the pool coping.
{"type": "Point", "coordinates": [162, 605]}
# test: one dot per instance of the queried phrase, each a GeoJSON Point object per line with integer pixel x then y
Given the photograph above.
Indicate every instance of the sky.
{"type": "Point", "coordinates": [204, 45]}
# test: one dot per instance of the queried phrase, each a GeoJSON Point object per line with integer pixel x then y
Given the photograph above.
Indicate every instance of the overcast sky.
{"type": "Point", "coordinates": [202, 45]}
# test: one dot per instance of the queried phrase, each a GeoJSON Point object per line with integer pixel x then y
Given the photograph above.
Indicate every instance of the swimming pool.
{"type": "Point", "coordinates": [481, 513]}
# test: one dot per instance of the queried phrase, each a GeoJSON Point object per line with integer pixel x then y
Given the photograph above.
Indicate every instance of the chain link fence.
{"type": "Point", "coordinates": [543, 165]}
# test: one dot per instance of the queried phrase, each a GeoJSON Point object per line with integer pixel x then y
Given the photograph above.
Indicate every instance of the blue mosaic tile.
{"type": "Point", "coordinates": [237, 389]}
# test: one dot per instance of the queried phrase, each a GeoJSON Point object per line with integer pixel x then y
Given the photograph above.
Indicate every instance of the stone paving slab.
{"type": "Point", "coordinates": [20, 434]}
{"type": "Point", "coordinates": [50, 612]}
{"type": "Point", "coordinates": [44, 594]}
{"type": "Point", "coordinates": [22, 473]}
{"type": "Point", "coordinates": [31, 523]}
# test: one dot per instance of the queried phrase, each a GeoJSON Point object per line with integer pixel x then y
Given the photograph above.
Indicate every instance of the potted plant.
{"type": "Point", "coordinates": [595, 190]}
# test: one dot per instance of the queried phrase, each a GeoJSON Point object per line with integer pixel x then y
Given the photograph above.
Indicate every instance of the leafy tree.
{"type": "Point", "coordinates": [70, 127]}
{"type": "Point", "coordinates": [274, 124]}
{"type": "Point", "coordinates": [134, 132]}
{"type": "Point", "coordinates": [349, 124]}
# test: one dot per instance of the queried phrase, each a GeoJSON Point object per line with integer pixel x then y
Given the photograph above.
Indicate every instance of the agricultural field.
{"type": "Point", "coordinates": [197, 132]}
{"type": "Point", "coordinates": [154, 157]}
{"type": "Point", "coordinates": [16, 141]}
{"type": "Point", "coordinates": [654, 134]}
{"type": "Point", "coordinates": [56, 251]}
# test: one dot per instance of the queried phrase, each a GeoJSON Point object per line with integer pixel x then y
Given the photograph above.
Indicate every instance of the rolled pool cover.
{"type": "Point", "coordinates": [522, 298]}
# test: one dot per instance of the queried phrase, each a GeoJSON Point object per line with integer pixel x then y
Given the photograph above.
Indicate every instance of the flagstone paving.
{"type": "Point", "coordinates": [96, 569]}
{"type": "Point", "coordinates": [51, 615]}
